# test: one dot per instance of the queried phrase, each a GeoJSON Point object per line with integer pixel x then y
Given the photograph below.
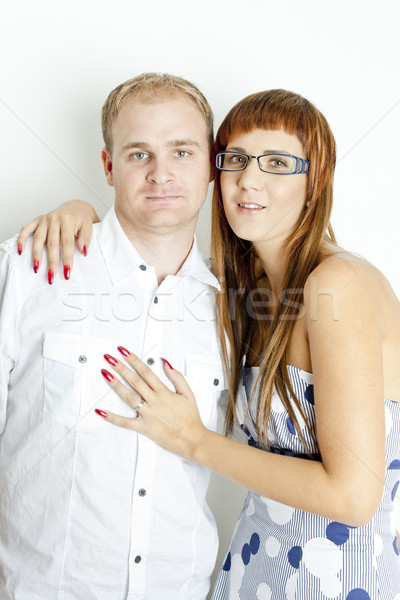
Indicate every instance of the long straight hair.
{"type": "Point", "coordinates": [242, 324]}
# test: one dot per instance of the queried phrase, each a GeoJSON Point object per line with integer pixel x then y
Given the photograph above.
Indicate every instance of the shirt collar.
{"type": "Point", "coordinates": [121, 257]}
{"type": "Point", "coordinates": [198, 266]}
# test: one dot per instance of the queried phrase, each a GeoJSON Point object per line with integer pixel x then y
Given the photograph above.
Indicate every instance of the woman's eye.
{"type": "Point", "coordinates": [278, 162]}
{"type": "Point", "coordinates": [237, 159]}
{"type": "Point", "coordinates": [182, 153]}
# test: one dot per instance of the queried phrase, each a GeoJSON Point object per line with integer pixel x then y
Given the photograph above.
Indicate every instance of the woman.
{"type": "Point", "coordinates": [313, 365]}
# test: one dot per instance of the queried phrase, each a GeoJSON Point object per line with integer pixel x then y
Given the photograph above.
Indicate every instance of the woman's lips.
{"type": "Point", "coordinates": [250, 207]}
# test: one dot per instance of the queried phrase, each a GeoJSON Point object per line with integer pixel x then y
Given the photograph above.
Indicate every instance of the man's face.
{"type": "Point", "coordinates": [159, 165]}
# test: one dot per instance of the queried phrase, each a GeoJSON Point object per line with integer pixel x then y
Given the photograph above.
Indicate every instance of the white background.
{"type": "Point", "coordinates": [59, 60]}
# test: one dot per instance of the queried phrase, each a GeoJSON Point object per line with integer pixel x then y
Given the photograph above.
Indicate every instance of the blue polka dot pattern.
{"type": "Point", "coordinates": [309, 394]}
{"type": "Point", "coordinates": [395, 464]}
{"type": "Point", "coordinates": [246, 553]}
{"type": "Point", "coordinates": [358, 594]}
{"type": "Point", "coordinates": [394, 490]}
{"type": "Point", "coordinates": [290, 426]}
{"type": "Point", "coordinates": [295, 555]}
{"type": "Point", "coordinates": [395, 546]}
{"type": "Point", "coordinates": [227, 563]}
{"type": "Point", "coordinates": [338, 533]}
{"type": "Point", "coordinates": [254, 543]}
{"type": "Point", "coordinates": [300, 553]}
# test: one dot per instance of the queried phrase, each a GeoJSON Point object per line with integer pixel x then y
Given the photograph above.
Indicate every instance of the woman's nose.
{"type": "Point", "coordinates": [251, 177]}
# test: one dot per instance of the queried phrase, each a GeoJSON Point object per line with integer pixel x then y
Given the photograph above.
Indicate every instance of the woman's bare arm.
{"type": "Point", "coordinates": [345, 344]}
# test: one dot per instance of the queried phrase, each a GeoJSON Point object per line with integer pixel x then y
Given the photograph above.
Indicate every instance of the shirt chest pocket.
{"type": "Point", "coordinates": [206, 381]}
{"type": "Point", "coordinates": [73, 384]}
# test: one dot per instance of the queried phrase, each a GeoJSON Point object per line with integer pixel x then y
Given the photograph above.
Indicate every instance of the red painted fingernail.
{"type": "Point", "coordinates": [167, 363]}
{"type": "Point", "coordinates": [84, 251]}
{"type": "Point", "coordinates": [113, 361]}
{"type": "Point", "coordinates": [107, 375]}
{"type": "Point", "coordinates": [101, 413]}
{"type": "Point", "coordinates": [20, 249]}
{"type": "Point", "coordinates": [35, 266]}
{"type": "Point", "coordinates": [67, 272]}
{"type": "Point", "coordinates": [124, 351]}
{"type": "Point", "coordinates": [50, 276]}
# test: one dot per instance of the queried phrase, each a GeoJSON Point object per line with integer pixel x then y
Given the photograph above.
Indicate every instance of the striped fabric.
{"type": "Point", "coordinates": [281, 553]}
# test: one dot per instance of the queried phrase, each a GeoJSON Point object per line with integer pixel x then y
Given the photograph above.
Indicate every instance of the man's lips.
{"type": "Point", "coordinates": [165, 198]}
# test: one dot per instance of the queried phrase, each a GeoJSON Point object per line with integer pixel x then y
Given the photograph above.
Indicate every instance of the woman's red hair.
{"type": "Point", "coordinates": [241, 322]}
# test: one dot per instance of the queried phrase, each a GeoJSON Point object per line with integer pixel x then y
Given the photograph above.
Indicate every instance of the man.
{"type": "Point", "coordinates": [89, 511]}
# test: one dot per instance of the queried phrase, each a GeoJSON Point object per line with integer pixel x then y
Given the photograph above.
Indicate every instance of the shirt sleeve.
{"type": "Point", "coordinates": [8, 324]}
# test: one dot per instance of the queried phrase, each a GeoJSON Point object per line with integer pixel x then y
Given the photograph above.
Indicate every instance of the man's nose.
{"type": "Point", "coordinates": [160, 170]}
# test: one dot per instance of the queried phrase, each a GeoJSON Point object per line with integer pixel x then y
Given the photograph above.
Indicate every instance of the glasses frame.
{"type": "Point", "coordinates": [301, 168]}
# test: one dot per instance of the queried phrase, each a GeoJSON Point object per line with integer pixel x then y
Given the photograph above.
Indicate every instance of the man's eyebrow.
{"type": "Point", "coordinates": [170, 143]}
{"type": "Point", "coordinates": [135, 145]}
{"type": "Point", "coordinates": [183, 142]}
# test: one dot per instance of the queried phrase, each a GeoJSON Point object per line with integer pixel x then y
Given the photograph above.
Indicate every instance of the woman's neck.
{"type": "Point", "coordinates": [274, 264]}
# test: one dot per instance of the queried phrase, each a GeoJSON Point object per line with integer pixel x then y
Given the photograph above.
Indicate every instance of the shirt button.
{"type": "Point", "coordinates": [82, 358]}
{"type": "Point", "coordinates": [150, 361]}
{"type": "Point", "coordinates": [138, 559]}
{"type": "Point", "coordinates": [142, 267]}
{"type": "Point", "coordinates": [156, 300]}
{"type": "Point", "coordinates": [142, 492]}
{"type": "Point", "coordinates": [216, 381]}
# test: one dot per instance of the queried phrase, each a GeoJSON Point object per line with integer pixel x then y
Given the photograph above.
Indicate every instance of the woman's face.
{"type": "Point", "coordinates": [263, 208]}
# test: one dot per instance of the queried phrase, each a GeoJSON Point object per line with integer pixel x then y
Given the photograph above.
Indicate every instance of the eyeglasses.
{"type": "Point", "coordinates": [279, 164]}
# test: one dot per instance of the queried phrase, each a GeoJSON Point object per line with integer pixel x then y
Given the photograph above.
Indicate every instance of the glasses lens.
{"type": "Point", "coordinates": [231, 161]}
{"type": "Point", "coordinates": [278, 163]}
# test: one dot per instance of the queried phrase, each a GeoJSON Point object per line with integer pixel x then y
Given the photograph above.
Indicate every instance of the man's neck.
{"type": "Point", "coordinates": [166, 252]}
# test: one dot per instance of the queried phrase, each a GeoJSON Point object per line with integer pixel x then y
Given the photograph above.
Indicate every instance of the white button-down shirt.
{"type": "Point", "coordinates": [89, 510]}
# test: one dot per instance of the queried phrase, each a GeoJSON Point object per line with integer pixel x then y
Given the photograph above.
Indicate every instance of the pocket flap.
{"type": "Point", "coordinates": [75, 350]}
{"type": "Point", "coordinates": [207, 374]}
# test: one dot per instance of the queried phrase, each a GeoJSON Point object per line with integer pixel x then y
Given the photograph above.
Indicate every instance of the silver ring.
{"type": "Point", "coordinates": [140, 405]}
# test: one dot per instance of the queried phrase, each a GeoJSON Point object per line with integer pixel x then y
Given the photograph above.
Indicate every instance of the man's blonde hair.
{"type": "Point", "coordinates": [151, 87]}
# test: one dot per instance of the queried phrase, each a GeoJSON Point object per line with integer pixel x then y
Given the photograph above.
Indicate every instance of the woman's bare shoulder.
{"type": "Point", "coordinates": [345, 275]}
{"type": "Point", "coordinates": [342, 267]}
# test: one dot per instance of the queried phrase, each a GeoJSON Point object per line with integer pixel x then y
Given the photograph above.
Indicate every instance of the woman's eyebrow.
{"type": "Point", "coordinates": [243, 151]}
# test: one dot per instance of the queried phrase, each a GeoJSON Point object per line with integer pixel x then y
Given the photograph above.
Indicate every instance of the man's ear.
{"type": "Point", "coordinates": [107, 164]}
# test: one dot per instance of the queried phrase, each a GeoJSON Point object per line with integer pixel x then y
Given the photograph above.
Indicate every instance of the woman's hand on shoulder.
{"type": "Point", "coordinates": [72, 219]}
{"type": "Point", "coordinates": [346, 354]}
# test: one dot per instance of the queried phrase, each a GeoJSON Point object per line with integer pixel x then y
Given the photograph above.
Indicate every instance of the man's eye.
{"type": "Point", "coordinates": [138, 155]}
{"type": "Point", "coordinates": [182, 153]}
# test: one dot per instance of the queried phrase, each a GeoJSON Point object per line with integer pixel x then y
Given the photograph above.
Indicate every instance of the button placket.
{"type": "Point", "coordinates": [154, 333]}
{"type": "Point", "coordinates": [146, 457]}
{"type": "Point", "coordinates": [141, 513]}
